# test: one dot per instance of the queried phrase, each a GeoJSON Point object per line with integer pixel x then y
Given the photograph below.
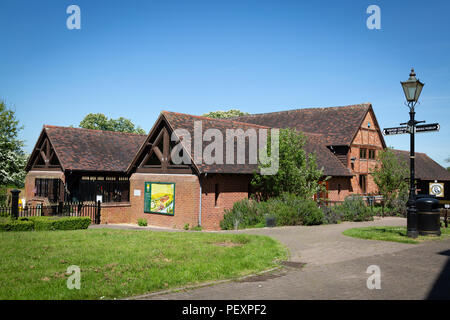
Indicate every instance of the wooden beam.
{"type": "Point", "coordinates": [146, 158]}
{"type": "Point", "coordinates": [44, 157]}
{"type": "Point", "coordinates": [164, 171]}
{"type": "Point", "coordinates": [41, 168]}
{"type": "Point", "coordinates": [158, 153]}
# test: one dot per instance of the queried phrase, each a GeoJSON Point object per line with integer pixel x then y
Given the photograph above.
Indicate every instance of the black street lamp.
{"type": "Point", "coordinates": [412, 89]}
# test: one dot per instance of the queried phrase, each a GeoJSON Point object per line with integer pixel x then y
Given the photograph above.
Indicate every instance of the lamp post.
{"type": "Point", "coordinates": [412, 89]}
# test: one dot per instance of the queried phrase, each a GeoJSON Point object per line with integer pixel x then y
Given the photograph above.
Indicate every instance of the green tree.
{"type": "Point", "coordinates": [297, 171]}
{"type": "Point", "coordinates": [12, 156]}
{"type": "Point", "coordinates": [99, 121]}
{"type": "Point", "coordinates": [225, 114]}
{"type": "Point", "coordinates": [390, 177]}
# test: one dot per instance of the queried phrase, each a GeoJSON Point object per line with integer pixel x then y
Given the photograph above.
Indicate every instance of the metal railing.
{"type": "Point", "coordinates": [62, 209]}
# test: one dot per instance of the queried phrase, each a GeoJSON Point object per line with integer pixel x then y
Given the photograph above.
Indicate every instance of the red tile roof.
{"type": "Point", "coordinates": [186, 121]}
{"type": "Point", "coordinates": [315, 144]}
{"type": "Point", "coordinates": [325, 159]}
{"type": "Point", "coordinates": [337, 125]}
{"type": "Point", "coordinates": [425, 167]}
{"type": "Point", "coordinates": [93, 150]}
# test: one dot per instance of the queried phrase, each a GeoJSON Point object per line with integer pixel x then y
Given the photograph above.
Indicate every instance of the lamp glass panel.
{"type": "Point", "coordinates": [411, 92]}
{"type": "Point", "coordinates": [418, 90]}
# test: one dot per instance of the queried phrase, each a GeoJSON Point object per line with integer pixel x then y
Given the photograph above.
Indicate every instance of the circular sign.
{"type": "Point", "coordinates": [437, 189]}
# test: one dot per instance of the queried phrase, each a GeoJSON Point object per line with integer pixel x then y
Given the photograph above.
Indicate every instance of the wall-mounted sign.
{"type": "Point", "coordinates": [437, 189]}
{"type": "Point", "coordinates": [159, 197]}
{"type": "Point", "coordinates": [137, 193]}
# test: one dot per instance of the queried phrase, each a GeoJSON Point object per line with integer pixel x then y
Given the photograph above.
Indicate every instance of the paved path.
{"type": "Point", "coordinates": [325, 244]}
{"type": "Point", "coordinates": [336, 268]}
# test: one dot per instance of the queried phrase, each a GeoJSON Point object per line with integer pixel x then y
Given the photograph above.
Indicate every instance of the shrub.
{"type": "Point", "coordinates": [196, 228]}
{"type": "Point", "coordinates": [397, 206]}
{"type": "Point", "coordinates": [16, 225]}
{"type": "Point", "coordinates": [376, 210]}
{"type": "Point", "coordinates": [354, 209]}
{"type": "Point", "coordinates": [44, 223]}
{"type": "Point", "coordinates": [3, 196]}
{"type": "Point", "coordinates": [284, 214]}
{"type": "Point", "coordinates": [330, 216]}
{"type": "Point", "coordinates": [244, 213]}
{"type": "Point", "coordinates": [142, 222]}
{"type": "Point", "coordinates": [56, 223]}
{"type": "Point", "coordinates": [186, 226]}
{"type": "Point", "coordinates": [288, 210]}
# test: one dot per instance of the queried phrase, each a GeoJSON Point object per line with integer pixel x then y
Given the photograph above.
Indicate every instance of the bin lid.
{"type": "Point", "coordinates": [427, 204]}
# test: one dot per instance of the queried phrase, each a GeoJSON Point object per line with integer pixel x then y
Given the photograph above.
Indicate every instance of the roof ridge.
{"type": "Point", "coordinates": [364, 104]}
{"type": "Point", "coordinates": [409, 151]}
{"type": "Point", "coordinates": [97, 130]}
{"type": "Point", "coordinates": [216, 119]}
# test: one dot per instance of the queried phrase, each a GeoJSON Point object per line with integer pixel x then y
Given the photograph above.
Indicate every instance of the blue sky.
{"type": "Point", "coordinates": [136, 58]}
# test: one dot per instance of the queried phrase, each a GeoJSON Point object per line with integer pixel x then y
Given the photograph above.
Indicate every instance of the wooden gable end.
{"type": "Point", "coordinates": [369, 132]}
{"type": "Point", "coordinates": [44, 156]}
{"type": "Point", "coordinates": [155, 154]}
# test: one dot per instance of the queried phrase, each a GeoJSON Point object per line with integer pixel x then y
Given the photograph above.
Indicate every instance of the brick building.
{"type": "Point", "coordinates": [136, 177]}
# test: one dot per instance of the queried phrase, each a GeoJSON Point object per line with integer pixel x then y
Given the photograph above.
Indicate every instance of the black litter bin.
{"type": "Point", "coordinates": [428, 214]}
{"type": "Point", "coordinates": [270, 222]}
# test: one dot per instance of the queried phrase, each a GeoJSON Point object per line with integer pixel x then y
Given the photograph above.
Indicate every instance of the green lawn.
{"type": "Point", "coordinates": [121, 263]}
{"type": "Point", "coordinates": [396, 234]}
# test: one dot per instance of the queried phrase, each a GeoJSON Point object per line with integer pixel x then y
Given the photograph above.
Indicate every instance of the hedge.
{"type": "Point", "coordinates": [66, 223]}
{"type": "Point", "coordinates": [16, 225]}
{"type": "Point", "coordinates": [45, 223]}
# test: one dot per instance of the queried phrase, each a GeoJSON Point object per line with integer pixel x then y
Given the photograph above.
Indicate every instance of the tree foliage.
{"type": "Point", "coordinates": [12, 157]}
{"type": "Point", "coordinates": [225, 114]}
{"type": "Point", "coordinates": [297, 174]}
{"type": "Point", "coordinates": [99, 121]}
{"type": "Point", "coordinates": [390, 177]}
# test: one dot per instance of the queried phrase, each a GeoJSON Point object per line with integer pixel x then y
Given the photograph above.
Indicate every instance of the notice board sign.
{"type": "Point", "coordinates": [159, 197]}
{"type": "Point", "coordinates": [437, 189]}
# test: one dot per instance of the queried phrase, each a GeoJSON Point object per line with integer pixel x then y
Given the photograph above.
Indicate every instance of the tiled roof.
{"type": "Point", "coordinates": [337, 125]}
{"type": "Point", "coordinates": [93, 150]}
{"type": "Point", "coordinates": [324, 157]}
{"type": "Point", "coordinates": [315, 144]}
{"type": "Point", "coordinates": [186, 121]}
{"type": "Point", "coordinates": [425, 167]}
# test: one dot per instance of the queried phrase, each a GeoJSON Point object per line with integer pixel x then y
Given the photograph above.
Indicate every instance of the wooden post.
{"type": "Point", "coordinates": [15, 203]}
{"type": "Point", "coordinates": [97, 213]}
{"type": "Point", "coordinates": [446, 218]}
{"type": "Point", "coordinates": [80, 206]}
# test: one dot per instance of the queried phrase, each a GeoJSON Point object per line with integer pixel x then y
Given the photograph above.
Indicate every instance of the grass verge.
{"type": "Point", "coordinates": [396, 234]}
{"type": "Point", "coordinates": [121, 263]}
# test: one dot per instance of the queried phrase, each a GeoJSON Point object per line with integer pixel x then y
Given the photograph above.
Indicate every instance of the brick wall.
{"type": "Point", "coordinates": [30, 181]}
{"type": "Point", "coordinates": [187, 194]}
{"type": "Point", "coordinates": [115, 212]}
{"type": "Point", "coordinates": [339, 188]}
{"type": "Point", "coordinates": [231, 188]}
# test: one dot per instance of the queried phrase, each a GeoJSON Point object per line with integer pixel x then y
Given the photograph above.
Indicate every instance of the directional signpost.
{"type": "Point", "coordinates": [428, 127]}
{"type": "Point", "coordinates": [419, 129]}
{"type": "Point", "coordinates": [396, 130]}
